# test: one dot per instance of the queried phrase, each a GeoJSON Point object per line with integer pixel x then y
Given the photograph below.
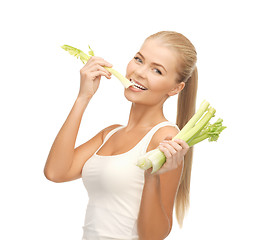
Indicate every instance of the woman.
{"type": "Point", "coordinates": [126, 202]}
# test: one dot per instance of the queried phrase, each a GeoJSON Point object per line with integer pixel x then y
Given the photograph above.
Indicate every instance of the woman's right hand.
{"type": "Point", "coordinates": [90, 76]}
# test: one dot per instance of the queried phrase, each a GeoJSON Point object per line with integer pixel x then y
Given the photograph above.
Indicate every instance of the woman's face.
{"type": "Point", "coordinates": [155, 68]}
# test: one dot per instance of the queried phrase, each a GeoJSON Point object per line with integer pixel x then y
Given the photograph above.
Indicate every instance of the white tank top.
{"type": "Point", "coordinates": [114, 185]}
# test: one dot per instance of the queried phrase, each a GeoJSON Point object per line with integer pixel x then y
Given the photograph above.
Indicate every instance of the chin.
{"type": "Point", "coordinates": [141, 101]}
{"type": "Point", "coordinates": [131, 97]}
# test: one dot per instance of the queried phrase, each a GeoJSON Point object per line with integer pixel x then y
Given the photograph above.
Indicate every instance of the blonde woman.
{"type": "Point", "coordinates": [126, 202]}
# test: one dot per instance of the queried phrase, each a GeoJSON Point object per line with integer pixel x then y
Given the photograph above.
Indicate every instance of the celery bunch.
{"type": "Point", "coordinates": [84, 58]}
{"type": "Point", "coordinates": [192, 133]}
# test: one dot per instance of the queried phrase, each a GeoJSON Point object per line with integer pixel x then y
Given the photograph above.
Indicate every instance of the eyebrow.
{"type": "Point", "coordinates": [157, 64]}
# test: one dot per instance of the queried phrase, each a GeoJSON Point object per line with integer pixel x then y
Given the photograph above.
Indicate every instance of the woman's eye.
{"type": "Point", "coordinates": [138, 59]}
{"type": "Point", "coordinates": [157, 71]}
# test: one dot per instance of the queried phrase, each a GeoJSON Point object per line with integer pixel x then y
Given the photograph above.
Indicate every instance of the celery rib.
{"type": "Point", "coordinates": [192, 133]}
{"type": "Point", "coordinates": [84, 58]}
{"type": "Point", "coordinates": [201, 110]}
{"type": "Point", "coordinates": [199, 126]}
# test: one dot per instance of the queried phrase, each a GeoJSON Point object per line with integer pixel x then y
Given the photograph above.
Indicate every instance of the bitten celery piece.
{"type": "Point", "coordinates": [84, 58]}
{"type": "Point", "coordinates": [192, 133]}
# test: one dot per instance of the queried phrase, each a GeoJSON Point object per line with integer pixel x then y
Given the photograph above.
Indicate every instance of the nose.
{"type": "Point", "coordinates": [141, 71]}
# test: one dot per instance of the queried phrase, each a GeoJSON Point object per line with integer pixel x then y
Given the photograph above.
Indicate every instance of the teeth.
{"type": "Point", "coordinates": [137, 85]}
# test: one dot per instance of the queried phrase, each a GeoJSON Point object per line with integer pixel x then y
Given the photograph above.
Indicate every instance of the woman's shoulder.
{"type": "Point", "coordinates": [161, 134]}
{"type": "Point", "coordinates": [110, 128]}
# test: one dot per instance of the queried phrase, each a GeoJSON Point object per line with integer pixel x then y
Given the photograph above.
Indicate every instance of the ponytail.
{"type": "Point", "coordinates": [186, 109]}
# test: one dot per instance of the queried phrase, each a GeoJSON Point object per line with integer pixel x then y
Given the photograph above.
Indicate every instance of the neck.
{"type": "Point", "coordinates": [145, 116]}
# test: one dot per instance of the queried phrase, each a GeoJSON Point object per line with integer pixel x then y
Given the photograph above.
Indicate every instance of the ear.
{"type": "Point", "coordinates": [176, 89]}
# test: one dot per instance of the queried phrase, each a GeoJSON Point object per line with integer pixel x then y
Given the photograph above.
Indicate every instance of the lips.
{"type": "Point", "coordinates": [138, 83]}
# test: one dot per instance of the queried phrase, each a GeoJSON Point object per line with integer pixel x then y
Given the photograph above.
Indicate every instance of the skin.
{"type": "Point", "coordinates": [65, 162]}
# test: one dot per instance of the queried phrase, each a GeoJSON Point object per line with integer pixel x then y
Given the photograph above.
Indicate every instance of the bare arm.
{"type": "Point", "coordinates": [64, 163]}
{"type": "Point", "coordinates": [61, 154]}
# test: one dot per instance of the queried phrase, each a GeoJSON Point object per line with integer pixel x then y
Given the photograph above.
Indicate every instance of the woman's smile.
{"type": "Point", "coordinates": [137, 86]}
{"type": "Point", "coordinates": [136, 89]}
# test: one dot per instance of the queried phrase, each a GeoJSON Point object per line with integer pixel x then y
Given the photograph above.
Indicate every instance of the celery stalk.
{"type": "Point", "coordinates": [144, 162]}
{"type": "Point", "coordinates": [84, 58]}
{"type": "Point", "coordinates": [193, 132]}
{"type": "Point", "coordinates": [198, 139]}
{"type": "Point", "coordinates": [198, 127]}
{"type": "Point", "coordinates": [126, 83]}
{"type": "Point", "coordinates": [201, 110]}
{"type": "Point", "coordinates": [157, 159]}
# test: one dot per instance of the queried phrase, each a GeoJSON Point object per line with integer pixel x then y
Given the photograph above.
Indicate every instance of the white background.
{"type": "Point", "coordinates": [40, 82]}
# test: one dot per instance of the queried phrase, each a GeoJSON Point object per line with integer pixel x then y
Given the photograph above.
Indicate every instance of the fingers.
{"type": "Point", "coordinates": [95, 66]}
{"type": "Point", "coordinates": [92, 74]}
{"type": "Point", "coordinates": [175, 145]}
{"type": "Point", "coordinates": [174, 151]}
{"type": "Point", "coordinates": [173, 154]}
{"type": "Point", "coordinates": [163, 146]}
{"type": "Point", "coordinates": [98, 60]}
{"type": "Point", "coordinates": [165, 150]}
{"type": "Point", "coordinates": [182, 143]}
{"type": "Point", "coordinates": [170, 147]}
{"type": "Point", "coordinates": [101, 71]}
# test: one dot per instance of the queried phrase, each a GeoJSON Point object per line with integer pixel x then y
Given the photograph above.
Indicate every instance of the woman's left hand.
{"type": "Point", "coordinates": [174, 151]}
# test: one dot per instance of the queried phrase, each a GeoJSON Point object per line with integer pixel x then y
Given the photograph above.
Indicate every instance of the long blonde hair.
{"type": "Point", "coordinates": [187, 73]}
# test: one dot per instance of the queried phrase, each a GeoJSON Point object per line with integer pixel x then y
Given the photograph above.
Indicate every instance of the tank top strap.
{"type": "Point", "coordinates": [111, 133]}
{"type": "Point", "coordinates": [147, 138]}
